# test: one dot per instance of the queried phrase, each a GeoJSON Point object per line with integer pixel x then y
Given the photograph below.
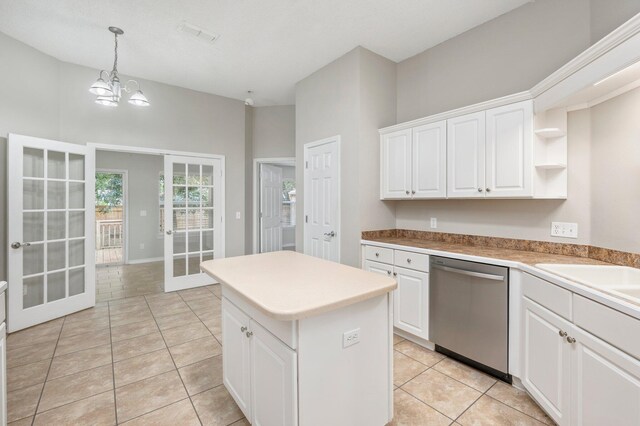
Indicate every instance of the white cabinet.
{"type": "Point", "coordinates": [509, 140]}
{"type": "Point", "coordinates": [236, 355]}
{"type": "Point", "coordinates": [395, 157]}
{"type": "Point", "coordinates": [3, 373]}
{"type": "Point", "coordinates": [273, 372]}
{"type": "Point", "coordinates": [466, 156]}
{"type": "Point", "coordinates": [429, 161]}
{"type": "Point", "coordinates": [546, 370]}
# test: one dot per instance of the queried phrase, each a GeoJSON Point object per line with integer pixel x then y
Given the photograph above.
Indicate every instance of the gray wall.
{"type": "Point", "coordinates": [142, 194]}
{"type": "Point", "coordinates": [48, 98]}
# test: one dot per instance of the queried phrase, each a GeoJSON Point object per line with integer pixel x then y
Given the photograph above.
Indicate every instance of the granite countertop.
{"type": "Point", "coordinates": [288, 286]}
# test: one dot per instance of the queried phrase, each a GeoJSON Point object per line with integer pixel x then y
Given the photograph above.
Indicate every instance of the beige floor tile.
{"type": "Point", "coordinates": [242, 422]}
{"type": "Point", "coordinates": [130, 318]}
{"type": "Point", "coordinates": [142, 366]}
{"type": "Point", "coordinates": [217, 290]}
{"type": "Point", "coordinates": [195, 350]}
{"type": "Point", "coordinates": [148, 395]}
{"type": "Point", "coordinates": [417, 352]}
{"type": "Point", "coordinates": [29, 354]}
{"type": "Point", "coordinates": [27, 375]}
{"type": "Point", "coordinates": [185, 333]}
{"type": "Point", "coordinates": [194, 293]}
{"type": "Point", "coordinates": [130, 308]}
{"type": "Point", "coordinates": [405, 368]}
{"type": "Point", "coordinates": [465, 374]}
{"type": "Point", "coordinates": [42, 333]}
{"type": "Point", "coordinates": [489, 412]}
{"type": "Point", "coordinates": [441, 392]}
{"type": "Point", "coordinates": [87, 314]}
{"type": "Point", "coordinates": [171, 309]}
{"type": "Point", "coordinates": [216, 407]}
{"type": "Point", "coordinates": [202, 375]}
{"type": "Point", "coordinates": [214, 325]}
{"type": "Point", "coordinates": [409, 411]}
{"type": "Point", "coordinates": [76, 386]}
{"type": "Point", "coordinates": [138, 300]}
{"type": "Point", "coordinates": [22, 403]}
{"type": "Point", "coordinates": [397, 339]}
{"type": "Point", "coordinates": [27, 421]}
{"type": "Point", "coordinates": [83, 341]}
{"type": "Point", "coordinates": [130, 331]}
{"type": "Point", "coordinates": [84, 326]}
{"type": "Point", "coordinates": [76, 362]}
{"type": "Point", "coordinates": [179, 413]}
{"type": "Point", "coordinates": [176, 320]}
{"type": "Point", "coordinates": [97, 410]}
{"type": "Point", "coordinates": [519, 400]}
{"type": "Point", "coordinates": [129, 348]}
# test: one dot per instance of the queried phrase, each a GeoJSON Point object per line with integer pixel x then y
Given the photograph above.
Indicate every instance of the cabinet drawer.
{"type": "Point", "coordinates": [612, 326]}
{"type": "Point", "coordinates": [407, 259]}
{"type": "Point", "coordinates": [379, 254]}
{"type": "Point", "coordinates": [551, 296]}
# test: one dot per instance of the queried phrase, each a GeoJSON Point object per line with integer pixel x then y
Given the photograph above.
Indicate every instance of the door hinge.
{"type": "Point", "coordinates": [306, 164]}
{"type": "Point", "coordinates": [306, 218]}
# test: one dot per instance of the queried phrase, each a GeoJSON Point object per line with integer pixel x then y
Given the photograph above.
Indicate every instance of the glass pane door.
{"type": "Point", "coordinates": [194, 220]}
{"type": "Point", "coordinates": [50, 271]}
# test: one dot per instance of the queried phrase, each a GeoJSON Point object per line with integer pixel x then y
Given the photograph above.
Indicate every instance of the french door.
{"type": "Point", "coordinates": [50, 229]}
{"type": "Point", "coordinates": [193, 219]}
{"type": "Point", "coordinates": [270, 208]}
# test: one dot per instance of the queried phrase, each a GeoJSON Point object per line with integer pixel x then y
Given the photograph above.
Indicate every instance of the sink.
{"type": "Point", "coordinates": [620, 280]}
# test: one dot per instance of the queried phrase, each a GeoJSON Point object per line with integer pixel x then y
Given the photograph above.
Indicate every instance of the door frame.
{"type": "Point", "coordinates": [333, 139]}
{"type": "Point", "coordinates": [125, 208]}
{"type": "Point", "coordinates": [257, 162]}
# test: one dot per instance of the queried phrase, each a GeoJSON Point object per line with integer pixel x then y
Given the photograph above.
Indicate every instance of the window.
{"type": "Point", "coordinates": [288, 215]}
{"type": "Point", "coordinates": [181, 197]}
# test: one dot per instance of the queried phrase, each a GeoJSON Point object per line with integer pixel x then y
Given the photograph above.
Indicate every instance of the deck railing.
{"type": "Point", "coordinates": [108, 233]}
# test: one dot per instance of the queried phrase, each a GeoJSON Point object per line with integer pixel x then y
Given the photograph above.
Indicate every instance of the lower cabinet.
{"type": "Point", "coordinates": [3, 373]}
{"type": "Point", "coordinates": [259, 370]}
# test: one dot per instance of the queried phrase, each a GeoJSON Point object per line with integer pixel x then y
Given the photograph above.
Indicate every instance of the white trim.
{"type": "Point", "coordinates": [149, 151]}
{"type": "Point", "coordinates": [147, 260]}
{"type": "Point", "coordinates": [284, 161]}
{"type": "Point", "coordinates": [125, 207]}
{"type": "Point", "coordinates": [619, 91]}
{"type": "Point", "coordinates": [338, 140]}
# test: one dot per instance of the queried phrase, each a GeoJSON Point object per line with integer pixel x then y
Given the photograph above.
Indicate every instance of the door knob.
{"type": "Point", "coordinates": [169, 232]}
{"type": "Point", "coordinates": [17, 245]}
{"type": "Point", "coordinates": [330, 234]}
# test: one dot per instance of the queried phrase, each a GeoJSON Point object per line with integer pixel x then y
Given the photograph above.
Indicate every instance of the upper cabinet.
{"type": "Point", "coordinates": [395, 157]}
{"type": "Point", "coordinates": [466, 156]}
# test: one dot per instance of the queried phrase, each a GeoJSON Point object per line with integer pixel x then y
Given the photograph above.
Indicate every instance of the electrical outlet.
{"type": "Point", "coordinates": [564, 229]}
{"type": "Point", "coordinates": [237, 215]}
{"type": "Point", "coordinates": [434, 222]}
{"type": "Point", "coordinates": [350, 338]}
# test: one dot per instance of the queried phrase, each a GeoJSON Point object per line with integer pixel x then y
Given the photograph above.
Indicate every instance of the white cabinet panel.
{"type": "Point", "coordinates": [429, 161]}
{"type": "Point", "coordinates": [411, 302]}
{"type": "Point", "coordinates": [466, 156]}
{"type": "Point", "coordinates": [395, 158]}
{"type": "Point", "coordinates": [378, 268]}
{"type": "Point", "coordinates": [546, 371]}
{"type": "Point", "coordinates": [3, 373]}
{"type": "Point", "coordinates": [605, 383]}
{"type": "Point", "coordinates": [509, 165]}
{"type": "Point", "coordinates": [274, 391]}
{"type": "Point", "coordinates": [236, 355]}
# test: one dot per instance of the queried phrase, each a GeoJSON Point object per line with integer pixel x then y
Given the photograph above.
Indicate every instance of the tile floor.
{"type": "Point", "coordinates": [155, 359]}
{"type": "Point", "coordinates": [120, 281]}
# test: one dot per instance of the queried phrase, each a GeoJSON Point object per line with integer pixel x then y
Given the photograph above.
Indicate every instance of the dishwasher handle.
{"type": "Point", "coordinates": [470, 273]}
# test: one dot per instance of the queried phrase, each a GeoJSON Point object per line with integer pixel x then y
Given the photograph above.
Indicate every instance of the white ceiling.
{"type": "Point", "coordinates": [264, 45]}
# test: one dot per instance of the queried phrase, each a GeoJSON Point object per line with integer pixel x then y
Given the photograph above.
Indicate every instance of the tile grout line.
{"type": "Point", "coordinates": [113, 368]}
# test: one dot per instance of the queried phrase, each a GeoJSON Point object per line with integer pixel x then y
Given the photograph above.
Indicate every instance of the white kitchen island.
{"type": "Point", "coordinates": [306, 341]}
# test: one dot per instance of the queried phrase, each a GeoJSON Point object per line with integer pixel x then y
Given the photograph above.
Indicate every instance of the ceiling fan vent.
{"type": "Point", "coordinates": [197, 32]}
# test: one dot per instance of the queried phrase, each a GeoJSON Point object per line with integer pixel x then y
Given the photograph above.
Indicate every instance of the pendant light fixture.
{"type": "Point", "coordinates": [108, 89]}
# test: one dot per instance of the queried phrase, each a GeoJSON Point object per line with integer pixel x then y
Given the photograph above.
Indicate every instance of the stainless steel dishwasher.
{"type": "Point", "coordinates": [469, 313]}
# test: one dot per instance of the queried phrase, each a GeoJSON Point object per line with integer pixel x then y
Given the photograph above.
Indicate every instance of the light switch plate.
{"type": "Point", "coordinates": [237, 215]}
{"type": "Point", "coordinates": [350, 338]}
{"type": "Point", "coordinates": [434, 222]}
{"type": "Point", "coordinates": [564, 229]}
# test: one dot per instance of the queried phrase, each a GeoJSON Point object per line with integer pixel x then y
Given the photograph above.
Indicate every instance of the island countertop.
{"type": "Point", "coordinates": [286, 285]}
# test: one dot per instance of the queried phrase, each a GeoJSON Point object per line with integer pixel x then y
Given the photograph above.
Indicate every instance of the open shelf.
{"type": "Point", "coordinates": [550, 133]}
{"type": "Point", "coordinates": [550, 166]}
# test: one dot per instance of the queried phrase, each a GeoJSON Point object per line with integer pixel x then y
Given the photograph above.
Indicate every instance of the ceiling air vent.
{"type": "Point", "coordinates": [197, 32]}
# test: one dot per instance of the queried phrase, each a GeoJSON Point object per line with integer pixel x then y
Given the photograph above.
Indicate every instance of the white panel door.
{"type": "Point", "coordinates": [193, 219]}
{"type": "Point", "coordinates": [51, 230]}
{"type": "Point", "coordinates": [429, 155]}
{"type": "Point", "coordinates": [274, 380]}
{"type": "Point", "coordinates": [395, 161]}
{"type": "Point", "coordinates": [270, 208]}
{"type": "Point", "coordinates": [322, 199]}
{"type": "Point", "coordinates": [236, 355]}
{"type": "Point", "coordinates": [509, 154]}
{"type": "Point", "coordinates": [605, 383]}
{"type": "Point", "coordinates": [546, 369]}
{"type": "Point", "coordinates": [411, 302]}
{"type": "Point", "coordinates": [466, 156]}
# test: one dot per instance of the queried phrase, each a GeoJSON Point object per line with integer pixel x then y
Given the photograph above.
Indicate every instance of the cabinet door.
{"type": "Point", "coordinates": [466, 156]}
{"type": "Point", "coordinates": [546, 371]}
{"type": "Point", "coordinates": [236, 353]}
{"type": "Point", "coordinates": [395, 162]}
{"type": "Point", "coordinates": [377, 267]}
{"type": "Point", "coordinates": [605, 383]}
{"type": "Point", "coordinates": [3, 374]}
{"type": "Point", "coordinates": [411, 302]}
{"type": "Point", "coordinates": [430, 161]}
{"type": "Point", "coordinates": [274, 374]}
{"type": "Point", "coordinates": [509, 155]}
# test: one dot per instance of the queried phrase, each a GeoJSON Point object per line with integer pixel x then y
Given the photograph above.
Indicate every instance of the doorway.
{"type": "Point", "coordinates": [111, 223]}
{"type": "Point", "coordinates": [274, 212]}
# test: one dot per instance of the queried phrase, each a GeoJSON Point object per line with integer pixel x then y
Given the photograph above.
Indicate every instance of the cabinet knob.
{"type": "Point", "coordinates": [488, 189]}
{"type": "Point", "coordinates": [407, 192]}
{"type": "Point", "coordinates": [377, 254]}
{"type": "Point", "coordinates": [562, 333]}
{"type": "Point", "coordinates": [388, 272]}
{"type": "Point", "coordinates": [413, 192]}
{"type": "Point", "coordinates": [408, 260]}
{"type": "Point", "coordinates": [243, 329]}
{"type": "Point", "coordinates": [479, 189]}
{"type": "Point", "coordinates": [249, 333]}
{"type": "Point", "coordinates": [571, 339]}
{"type": "Point", "coordinates": [395, 274]}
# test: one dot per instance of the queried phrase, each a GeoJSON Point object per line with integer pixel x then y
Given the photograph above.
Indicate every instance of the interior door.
{"type": "Point", "coordinates": [193, 219]}
{"type": "Point", "coordinates": [270, 208]}
{"type": "Point", "coordinates": [50, 228]}
{"type": "Point", "coordinates": [322, 199]}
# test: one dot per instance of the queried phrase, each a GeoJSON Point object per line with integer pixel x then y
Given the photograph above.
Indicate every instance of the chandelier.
{"type": "Point", "coordinates": [108, 88]}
